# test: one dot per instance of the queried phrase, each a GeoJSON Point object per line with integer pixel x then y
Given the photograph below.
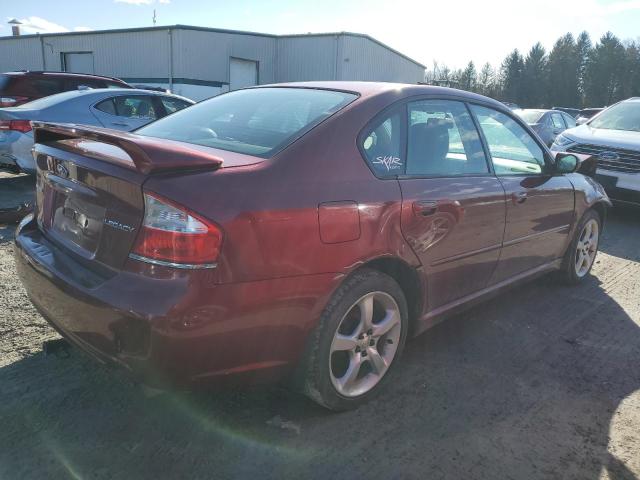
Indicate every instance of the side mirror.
{"type": "Point", "coordinates": [566, 162]}
{"type": "Point", "coordinates": [581, 121]}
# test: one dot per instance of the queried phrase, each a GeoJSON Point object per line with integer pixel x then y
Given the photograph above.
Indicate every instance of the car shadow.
{"type": "Point", "coordinates": [6, 233]}
{"type": "Point", "coordinates": [524, 386]}
{"type": "Point", "coordinates": [623, 222]}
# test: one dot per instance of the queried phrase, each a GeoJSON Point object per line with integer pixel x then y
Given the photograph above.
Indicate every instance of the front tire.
{"type": "Point", "coordinates": [582, 251]}
{"type": "Point", "coordinates": [357, 343]}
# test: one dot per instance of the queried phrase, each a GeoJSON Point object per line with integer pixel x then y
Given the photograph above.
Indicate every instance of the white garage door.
{"type": "Point", "coordinates": [242, 73]}
{"type": "Point", "coordinates": [78, 62]}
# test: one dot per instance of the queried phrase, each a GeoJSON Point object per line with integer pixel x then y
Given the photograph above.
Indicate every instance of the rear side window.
{"type": "Point", "coordinates": [172, 105]}
{"type": "Point", "coordinates": [258, 121]}
{"type": "Point", "coordinates": [382, 145]}
{"type": "Point", "coordinates": [443, 141]}
{"type": "Point", "coordinates": [109, 84]}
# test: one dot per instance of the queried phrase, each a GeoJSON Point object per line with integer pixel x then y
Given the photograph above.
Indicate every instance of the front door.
{"type": "Point", "coordinates": [540, 204]}
{"type": "Point", "coordinates": [453, 207]}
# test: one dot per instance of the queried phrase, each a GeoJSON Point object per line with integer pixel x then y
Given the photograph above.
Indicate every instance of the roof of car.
{"type": "Point", "coordinates": [62, 74]}
{"type": "Point", "coordinates": [541, 110]}
{"type": "Point", "coordinates": [99, 92]}
{"type": "Point", "coordinates": [370, 89]}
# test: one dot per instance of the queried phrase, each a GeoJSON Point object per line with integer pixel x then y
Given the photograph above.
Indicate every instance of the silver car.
{"type": "Point", "coordinates": [613, 136]}
{"type": "Point", "coordinates": [120, 109]}
{"type": "Point", "coordinates": [547, 123]}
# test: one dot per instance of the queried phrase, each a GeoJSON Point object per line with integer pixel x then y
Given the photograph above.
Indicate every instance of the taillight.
{"type": "Point", "coordinates": [172, 235]}
{"type": "Point", "coordinates": [23, 126]}
{"type": "Point", "coordinates": [12, 101]}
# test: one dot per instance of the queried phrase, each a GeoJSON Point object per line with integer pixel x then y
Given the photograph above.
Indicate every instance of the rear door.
{"type": "Point", "coordinates": [453, 208]}
{"type": "Point", "coordinates": [540, 205]}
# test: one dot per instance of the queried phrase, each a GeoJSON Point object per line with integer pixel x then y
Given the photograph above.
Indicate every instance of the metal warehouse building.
{"type": "Point", "coordinates": [201, 62]}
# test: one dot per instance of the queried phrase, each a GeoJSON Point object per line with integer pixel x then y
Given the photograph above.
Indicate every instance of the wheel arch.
{"type": "Point", "coordinates": [407, 277]}
{"type": "Point", "coordinates": [601, 208]}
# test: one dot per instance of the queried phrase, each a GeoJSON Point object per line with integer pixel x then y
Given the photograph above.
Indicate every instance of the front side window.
{"type": "Point", "coordinates": [442, 140]}
{"type": "Point", "coordinates": [256, 121]}
{"type": "Point", "coordinates": [513, 150]}
{"type": "Point", "coordinates": [569, 120]}
{"type": "Point", "coordinates": [382, 146]}
{"type": "Point", "coordinates": [138, 106]}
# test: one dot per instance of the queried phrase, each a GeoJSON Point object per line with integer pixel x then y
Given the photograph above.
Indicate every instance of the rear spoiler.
{"type": "Point", "coordinates": [145, 154]}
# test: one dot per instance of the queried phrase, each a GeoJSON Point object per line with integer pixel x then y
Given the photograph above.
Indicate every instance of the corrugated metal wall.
{"type": "Point", "coordinates": [205, 55]}
{"type": "Point", "coordinates": [201, 57]}
{"type": "Point", "coordinates": [306, 58]}
{"type": "Point", "coordinates": [364, 59]}
{"type": "Point", "coordinates": [342, 57]}
{"type": "Point", "coordinates": [125, 54]}
{"type": "Point", "coordinates": [20, 54]}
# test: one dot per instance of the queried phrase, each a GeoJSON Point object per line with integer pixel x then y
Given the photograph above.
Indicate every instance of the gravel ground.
{"type": "Point", "coordinates": [541, 383]}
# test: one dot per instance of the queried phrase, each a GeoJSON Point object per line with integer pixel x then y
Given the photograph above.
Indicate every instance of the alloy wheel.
{"type": "Point", "coordinates": [587, 247]}
{"type": "Point", "coordinates": [365, 343]}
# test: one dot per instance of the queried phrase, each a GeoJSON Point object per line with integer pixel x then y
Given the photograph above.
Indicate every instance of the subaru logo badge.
{"type": "Point", "coordinates": [62, 171]}
{"type": "Point", "coordinates": [613, 156]}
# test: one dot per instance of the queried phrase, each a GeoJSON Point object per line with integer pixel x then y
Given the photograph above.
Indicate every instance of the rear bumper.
{"type": "Point", "coordinates": [15, 150]}
{"type": "Point", "coordinates": [621, 187]}
{"type": "Point", "coordinates": [176, 329]}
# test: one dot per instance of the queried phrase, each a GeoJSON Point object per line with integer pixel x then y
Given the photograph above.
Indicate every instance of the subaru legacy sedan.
{"type": "Point", "coordinates": [300, 231]}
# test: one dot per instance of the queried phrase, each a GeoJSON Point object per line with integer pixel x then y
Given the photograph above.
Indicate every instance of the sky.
{"type": "Point", "coordinates": [451, 32]}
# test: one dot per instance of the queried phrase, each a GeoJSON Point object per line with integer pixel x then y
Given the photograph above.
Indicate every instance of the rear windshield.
{"type": "Point", "coordinates": [30, 86]}
{"type": "Point", "coordinates": [257, 121]}
{"type": "Point", "coordinates": [47, 102]}
{"type": "Point", "coordinates": [623, 116]}
{"type": "Point", "coordinates": [530, 116]}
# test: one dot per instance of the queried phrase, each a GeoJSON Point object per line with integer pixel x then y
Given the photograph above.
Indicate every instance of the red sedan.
{"type": "Point", "coordinates": [298, 231]}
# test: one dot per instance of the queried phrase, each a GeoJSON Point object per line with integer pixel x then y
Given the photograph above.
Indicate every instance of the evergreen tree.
{"type": "Point", "coordinates": [583, 51]}
{"type": "Point", "coordinates": [563, 77]}
{"type": "Point", "coordinates": [468, 78]}
{"type": "Point", "coordinates": [605, 72]}
{"type": "Point", "coordinates": [631, 77]}
{"type": "Point", "coordinates": [535, 78]}
{"type": "Point", "coordinates": [511, 77]}
{"type": "Point", "coordinates": [487, 84]}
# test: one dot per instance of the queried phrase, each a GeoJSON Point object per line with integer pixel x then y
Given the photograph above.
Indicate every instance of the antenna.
{"type": "Point", "coordinates": [154, 17]}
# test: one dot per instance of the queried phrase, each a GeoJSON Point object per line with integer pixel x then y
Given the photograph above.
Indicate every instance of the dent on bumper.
{"type": "Point", "coordinates": [181, 329]}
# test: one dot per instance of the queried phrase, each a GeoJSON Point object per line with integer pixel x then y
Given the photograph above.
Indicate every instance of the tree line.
{"type": "Point", "coordinates": [575, 73]}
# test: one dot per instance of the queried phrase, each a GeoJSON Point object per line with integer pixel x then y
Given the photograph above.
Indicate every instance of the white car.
{"type": "Point", "coordinates": [613, 136]}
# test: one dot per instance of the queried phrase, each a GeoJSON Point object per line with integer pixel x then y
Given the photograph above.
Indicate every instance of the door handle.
{"type": "Point", "coordinates": [519, 197]}
{"type": "Point", "coordinates": [120, 124]}
{"type": "Point", "coordinates": [424, 208]}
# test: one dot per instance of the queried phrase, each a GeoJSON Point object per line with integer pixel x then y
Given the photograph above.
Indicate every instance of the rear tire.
{"type": "Point", "coordinates": [356, 345]}
{"type": "Point", "coordinates": [581, 253]}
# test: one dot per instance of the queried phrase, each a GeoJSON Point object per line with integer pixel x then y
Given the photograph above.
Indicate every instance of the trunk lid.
{"type": "Point", "coordinates": [89, 194]}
